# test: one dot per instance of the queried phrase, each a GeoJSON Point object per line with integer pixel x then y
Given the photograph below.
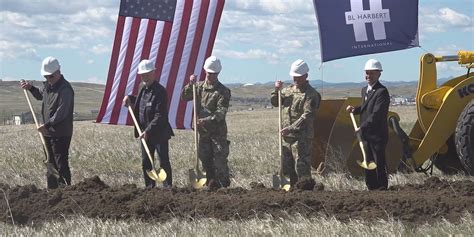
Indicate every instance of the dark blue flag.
{"type": "Point", "coordinates": [357, 27]}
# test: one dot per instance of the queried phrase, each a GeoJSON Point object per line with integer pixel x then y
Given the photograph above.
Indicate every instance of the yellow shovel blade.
{"type": "Point", "coordinates": [199, 183]}
{"type": "Point", "coordinates": [201, 180]}
{"type": "Point", "coordinates": [160, 176]}
{"type": "Point", "coordinates": [197, 179]}
{"type": "Point", "coordinates": [369, 166]}
{"type": "Point", "coordinates": [281, 182]}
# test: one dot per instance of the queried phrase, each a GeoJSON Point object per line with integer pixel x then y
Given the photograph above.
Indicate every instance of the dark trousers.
{"type": "Point", "coordinates": [376, 179]}
{"type": "Point", "coordinates": [163, 154]}
{"type": "Point", "coordinates": [58, 172]}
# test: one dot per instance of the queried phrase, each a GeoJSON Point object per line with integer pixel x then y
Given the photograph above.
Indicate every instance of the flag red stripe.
{"type": "Point", "coordinates": [177, 47]}
{"type": "Point", "coordinates": [192, 60]}
{"type": "Point", "coordinates": [146, 49]}
{"type": "Point", "coordinates": [112, 67]}
{"type": "Point", "coordinates": [160, 57]}
{"type": "Point", "coordinates": [126, 69]}
{"type": "Point", "coordinates": [212, 38]}
{"type": "Point", "coordinates": [215, 25]}
{"type": "Point", "coordinates": [178, 53]}
{"type": "Point", "coordinates": [150, 31]}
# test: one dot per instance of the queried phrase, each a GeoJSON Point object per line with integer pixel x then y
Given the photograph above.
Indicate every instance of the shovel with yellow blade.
{"type": "Point", "coordinates": [280, 181]}
{"type": "Point", "coordinates": [197, 178]}
{"type": "Point", "coordinates": [157, 176]}
{"type": "Point", "coordinates": [370, 165]}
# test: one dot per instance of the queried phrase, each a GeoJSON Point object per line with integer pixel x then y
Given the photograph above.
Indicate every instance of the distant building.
{"type": "Point", "coordinates": [399, 101]}
{"type": "Point", "coordinates": [16, 120]}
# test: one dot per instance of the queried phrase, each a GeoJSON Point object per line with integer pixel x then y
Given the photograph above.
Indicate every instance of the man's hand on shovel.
{"type": "Point", "coordinates": [285, 131]}
{"type": "Point", "coordinates": [144, 136]}
{"type": "Point", "coordinates": [42, 129]}
{"type": "Point", "coordinates": [25, 85]}
{"type": "Point", "coordinates": [126, 101]}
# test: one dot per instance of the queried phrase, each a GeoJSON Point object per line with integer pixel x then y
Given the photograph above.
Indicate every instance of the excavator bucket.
{"type": "Point", "coordinates": [336, 145]}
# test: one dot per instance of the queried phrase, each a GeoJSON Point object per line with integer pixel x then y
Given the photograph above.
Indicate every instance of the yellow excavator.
{"type": "Point", "coordinates": [443, 133]}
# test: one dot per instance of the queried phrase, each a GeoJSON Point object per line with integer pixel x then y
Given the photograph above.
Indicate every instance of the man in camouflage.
{"type": "Point", "coordinates": [300, 102]}
{"type": "Point", "coordinates": [212, 105]}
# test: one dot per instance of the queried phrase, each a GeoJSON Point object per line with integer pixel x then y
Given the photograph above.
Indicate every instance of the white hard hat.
{"type": "Point", "coordinates": [373, 64]}
{"type": "Point", "coordinates": [145, 66]}
{"type": "Point", "coordinates": [212, 65]}
{"type": "Point", "coordinates": [49, 66]}
{"type": "Point", "coordinates": [299, 68]}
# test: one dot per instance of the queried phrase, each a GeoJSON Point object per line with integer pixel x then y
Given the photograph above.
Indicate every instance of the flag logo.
{"type": "Point", "coordinates": [377, 16]}
{"type": "Point", "coordinates": [356, 27]}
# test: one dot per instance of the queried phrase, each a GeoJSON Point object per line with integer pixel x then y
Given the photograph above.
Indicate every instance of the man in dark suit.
{"type": "Point", "coordinates": [151, 109]}
{"type": "Point", "coordinates": [373, 124]}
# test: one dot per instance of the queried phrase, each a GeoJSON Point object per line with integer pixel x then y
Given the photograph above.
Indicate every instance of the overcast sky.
{"type": "Point", "coordinates": [257, 40]}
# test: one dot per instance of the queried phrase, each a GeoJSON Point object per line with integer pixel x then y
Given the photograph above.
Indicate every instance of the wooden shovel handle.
{"type": "Point", "coordinates": [196, 138]}
{"type": "Point", "coordinates": [353, 121]}
{"type": "Point", "coordinates": [130, 110]}
{"type": "Point", "coordinates": [280, 149]}
{"type": "Point", "coordinates": [359, 137]}
{"type": "Point", "coordinates": [37, 124]}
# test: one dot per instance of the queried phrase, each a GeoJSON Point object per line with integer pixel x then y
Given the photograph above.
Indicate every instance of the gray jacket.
{"type": "Point", "coordinates": [57, 107]}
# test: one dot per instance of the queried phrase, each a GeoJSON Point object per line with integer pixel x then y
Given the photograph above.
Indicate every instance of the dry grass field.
{"type": "Point", "coordinates": [112, 153]}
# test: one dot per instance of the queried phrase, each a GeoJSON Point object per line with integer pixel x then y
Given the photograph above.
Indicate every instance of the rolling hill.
{"type": "Point", "coordinates": [88, 97]}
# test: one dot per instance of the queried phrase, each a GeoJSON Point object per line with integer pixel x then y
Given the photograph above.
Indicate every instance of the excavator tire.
{"type": "Point", "coordinates": [464, 138]}
{"type": "Point", "coordinates": [449, 162]}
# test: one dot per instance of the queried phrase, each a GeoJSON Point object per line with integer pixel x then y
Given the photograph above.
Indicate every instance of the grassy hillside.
{"type": "Point", "coordinates": [12, 99]}
{"type": "Point", "coordinates": [88, 97]}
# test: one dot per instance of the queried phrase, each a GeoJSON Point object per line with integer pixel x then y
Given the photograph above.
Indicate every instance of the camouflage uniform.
{"type": "Point", "coordinates": [212, 106]}
{"type": "Point", "coordinates": [298, 112]}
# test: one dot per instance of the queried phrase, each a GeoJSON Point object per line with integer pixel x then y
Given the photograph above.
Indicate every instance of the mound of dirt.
{"type": "Point", "coordinates": [411, 204]}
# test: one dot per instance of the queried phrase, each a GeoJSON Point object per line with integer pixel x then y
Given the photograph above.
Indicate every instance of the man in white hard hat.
{"type": "Point", "coordinates": [300, 102]}
{"type": "Point", "coordinates": [57, 113]}
{"type": "Point", "coordinates": [151, 110]}
{"type": "Point", "coordinates": [373, 124]}
{"type": "Point", "coordinates": [212, 102]}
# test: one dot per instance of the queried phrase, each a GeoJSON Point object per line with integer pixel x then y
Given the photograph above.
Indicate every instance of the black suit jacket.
{"type": "Point", "coordinates": [373, 114]}
{"type": "Point", "coordinates": [157, 125]}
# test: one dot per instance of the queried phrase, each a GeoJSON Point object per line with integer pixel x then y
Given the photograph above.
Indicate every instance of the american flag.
{"type": "Point", "coordinates": [178, 35]}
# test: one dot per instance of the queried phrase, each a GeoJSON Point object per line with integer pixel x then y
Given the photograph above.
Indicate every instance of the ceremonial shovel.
{"type": "Point", "coordinates": [197, 178]}
{"type": "Point", "coordinates": [371, 165]}
{"type": "Point", "coordinates": [161, 175]}
{"type": "Point", "coordinates": [280, 182]}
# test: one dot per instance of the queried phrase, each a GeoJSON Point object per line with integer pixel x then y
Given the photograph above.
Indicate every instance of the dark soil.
{"type": "Point", "coordinates": [411, 204]}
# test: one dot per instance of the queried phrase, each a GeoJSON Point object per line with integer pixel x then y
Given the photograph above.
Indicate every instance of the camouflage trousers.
{"type": "Point", "coordinates": [296, 158]}
{"type": "Point", "coordinates": [213, 152]}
